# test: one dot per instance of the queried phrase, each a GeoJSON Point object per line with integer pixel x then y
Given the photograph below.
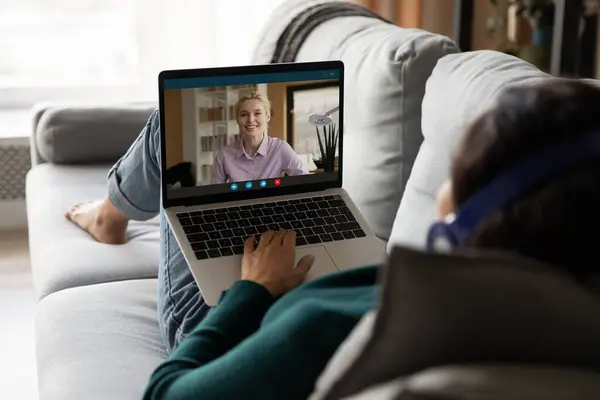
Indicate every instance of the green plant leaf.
{"type": "Point", "coordinates": [321, 148]}
{"type": "Point", "coordinates": [327, 145]}
{"type": "Point", "coordinates": [335, 140]}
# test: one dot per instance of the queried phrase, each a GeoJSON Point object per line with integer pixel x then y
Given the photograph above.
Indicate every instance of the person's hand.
{"type": "Point", "coordinates": [272, 263]}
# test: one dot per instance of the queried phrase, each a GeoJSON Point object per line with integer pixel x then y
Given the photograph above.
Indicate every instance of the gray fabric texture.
{"type": "Point", "coordinates": [295, 34]}
{"type": "Point", "coordinates": [489, 382]}
{"type": "Point", "coordinates": [36, 114]}
{"type": "Point", "coordinates": [98, 342]}
{"type": "Point", "coordinates": [62, 255]}
{"type": "Point", "coordinates": [86, 135]}
{"type": "Point", "coordinates": [386, 68]}
{"type": "Point", "coordinates": [279, 20]}
{"type": "Point", "coordinates": [461, 87]}
{"type": "Point", "coordinates": [439, 309]}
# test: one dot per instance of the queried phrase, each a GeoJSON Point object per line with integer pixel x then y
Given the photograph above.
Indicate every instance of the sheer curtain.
{"type": "Point", "coordinates": [103, 50]}
{"type": "Point", "coordinates": [202, 33]}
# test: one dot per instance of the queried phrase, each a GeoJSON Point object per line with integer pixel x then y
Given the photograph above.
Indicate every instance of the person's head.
{"type": "Point", "coordinates": [557, 221]}
{"type": "Point", "coordinates": [253, 111]}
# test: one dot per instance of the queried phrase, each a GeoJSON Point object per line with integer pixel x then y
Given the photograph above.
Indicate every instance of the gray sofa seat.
{"type": "Point", "coordinates": [99, 341]}
{"type": "Point", "coordinates": [64, 256]}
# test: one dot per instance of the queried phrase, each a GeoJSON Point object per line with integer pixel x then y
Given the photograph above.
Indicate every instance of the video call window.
{"type": "Point", "coordinates": [219, 137]}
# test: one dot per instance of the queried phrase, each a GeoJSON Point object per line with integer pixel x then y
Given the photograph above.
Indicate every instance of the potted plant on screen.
{"type": "Point", "coordinates": [328, 138]}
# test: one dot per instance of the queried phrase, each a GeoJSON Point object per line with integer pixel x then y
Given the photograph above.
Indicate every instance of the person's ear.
{"type": "Point", "coordinates": [445, 200]}
{"type": "Point", "coordinates": [268, 116]}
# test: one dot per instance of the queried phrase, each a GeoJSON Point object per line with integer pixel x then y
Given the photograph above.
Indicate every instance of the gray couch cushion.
{"type": "Point", "coordinates": [64, 256]}
{"type": "Point", "coordinates": [98, 342]}
{"type": "Point", "coordinates": [461, 87]}
{"type": "Point", "coordinates": [386, 70]}
{"type": "Point", "coordinates": [440, 309]}
{"type": "Point", "coordinates": [279, 19]}
{"type": "Point", "coordinates": [85, 135]}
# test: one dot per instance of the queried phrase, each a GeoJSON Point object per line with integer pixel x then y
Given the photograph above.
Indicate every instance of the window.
{"type": "Point", "coordinates": [61, 50]}
{"type": "Point", "coordinates": [306, 101]}
{"type": "Point", "coordinates": [53, 43]}
{"type": "Point", "coordinates": [67, 48]}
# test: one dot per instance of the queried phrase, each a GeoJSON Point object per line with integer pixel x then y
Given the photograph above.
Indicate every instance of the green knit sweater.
{"type": "Point", "coordinates": [253, 347]}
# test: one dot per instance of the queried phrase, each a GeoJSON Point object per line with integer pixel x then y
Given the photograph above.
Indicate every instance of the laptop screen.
{"type": "Point", "coordinates": [247, 132]}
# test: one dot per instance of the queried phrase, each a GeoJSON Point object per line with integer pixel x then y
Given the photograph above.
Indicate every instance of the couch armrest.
{"type": "Point", "coordinates": [64, 134]}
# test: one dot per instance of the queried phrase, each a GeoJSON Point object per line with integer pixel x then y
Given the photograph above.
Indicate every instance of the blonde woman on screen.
{"type": "Point", "coordinates": [256, 155]}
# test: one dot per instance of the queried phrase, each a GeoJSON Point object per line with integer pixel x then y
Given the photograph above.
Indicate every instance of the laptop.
{"type": "Point", "coordinates": [246, 150]}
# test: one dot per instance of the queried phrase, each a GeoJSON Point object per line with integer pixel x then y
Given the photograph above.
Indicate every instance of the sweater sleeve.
{"type": "Point", "coordinates": [228, 357]}
{"type": "Point", "coordinates": [191, 371]}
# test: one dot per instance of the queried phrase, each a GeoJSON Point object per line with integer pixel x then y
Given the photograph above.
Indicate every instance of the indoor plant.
{"type": "Point", "coordinates": [540, 15]}
{"type": "Point", "coordinates": [328, 138]}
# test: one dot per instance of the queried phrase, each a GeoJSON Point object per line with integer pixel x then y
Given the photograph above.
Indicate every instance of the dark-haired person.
{"type": "Point", "coordinates": [271, 335]}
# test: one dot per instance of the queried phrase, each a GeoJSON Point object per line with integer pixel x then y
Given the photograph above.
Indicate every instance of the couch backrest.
{"type": "Point", "coordinates": [461, 87]}
{"type": "Point", "coordinates": [386, 71]}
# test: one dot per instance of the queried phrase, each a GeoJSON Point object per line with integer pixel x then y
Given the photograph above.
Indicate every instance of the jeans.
{"type": "Point", "coordinates": [134, 189]}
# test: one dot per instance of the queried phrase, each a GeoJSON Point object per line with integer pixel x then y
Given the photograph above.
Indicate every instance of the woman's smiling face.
{"type": "Point", "coordinates": [252, 118]}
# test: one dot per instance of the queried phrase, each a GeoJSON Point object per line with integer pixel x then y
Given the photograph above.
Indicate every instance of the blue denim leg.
{"type": "Point", "coordinates": [134, 188]}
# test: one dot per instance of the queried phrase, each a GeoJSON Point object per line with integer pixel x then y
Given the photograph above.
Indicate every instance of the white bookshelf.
{"type": "Point", "coordinates": [215, 124]}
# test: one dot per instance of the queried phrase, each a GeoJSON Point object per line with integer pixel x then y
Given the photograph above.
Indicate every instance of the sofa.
{"type": "Point", "coordinates": [409, 95]}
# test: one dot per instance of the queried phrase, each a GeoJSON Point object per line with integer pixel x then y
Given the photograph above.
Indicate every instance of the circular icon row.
{"type": "Point", "coordinates": [248, 185]}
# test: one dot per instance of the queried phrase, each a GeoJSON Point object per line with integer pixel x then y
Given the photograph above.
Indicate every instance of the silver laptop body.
{"type": "Point", "coordinates": [211, 219]}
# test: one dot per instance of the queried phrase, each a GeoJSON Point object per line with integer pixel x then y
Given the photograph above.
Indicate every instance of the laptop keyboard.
{"type": "Point", "coordinates": [221, 232]}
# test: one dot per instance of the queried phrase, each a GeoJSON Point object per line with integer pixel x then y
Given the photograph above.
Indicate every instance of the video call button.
{"type": "Point", "coordinates": [263, 183]}
{"type": "Point", "coordinates": [248, 185]}
{"type": "Point", "coordinates": [234, 187]}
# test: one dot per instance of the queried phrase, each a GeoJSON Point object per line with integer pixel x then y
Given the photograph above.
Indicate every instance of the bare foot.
{"type": "Point", "coordinates": [101, 220]}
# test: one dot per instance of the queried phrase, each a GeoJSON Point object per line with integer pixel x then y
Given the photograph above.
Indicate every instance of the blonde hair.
{"type": "Point", "coordinates": [254, 95]}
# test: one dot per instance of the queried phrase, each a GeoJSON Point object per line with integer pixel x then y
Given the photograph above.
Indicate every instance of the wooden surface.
{"type": "Point", "coordinates": [18, 304]}
{"type": "Point", "coordinates": [409, 13]}
{"type": "Point", "coordinates": [276, 92]}
{"type": "Point", "coordinates": [173, 127]}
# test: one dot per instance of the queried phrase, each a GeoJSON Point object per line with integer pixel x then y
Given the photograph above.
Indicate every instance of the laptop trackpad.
{"type": "Point", "coordinates": [323, 265]}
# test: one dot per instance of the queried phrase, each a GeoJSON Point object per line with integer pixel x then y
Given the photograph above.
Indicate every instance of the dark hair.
{"type": "Point", "coordinates": [557, 222]}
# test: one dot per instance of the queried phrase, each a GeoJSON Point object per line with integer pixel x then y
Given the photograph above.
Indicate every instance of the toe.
{"type": "Point", "coordinates": [72, 212]}
{"type": "Point", "coordinates": [75, 208]}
